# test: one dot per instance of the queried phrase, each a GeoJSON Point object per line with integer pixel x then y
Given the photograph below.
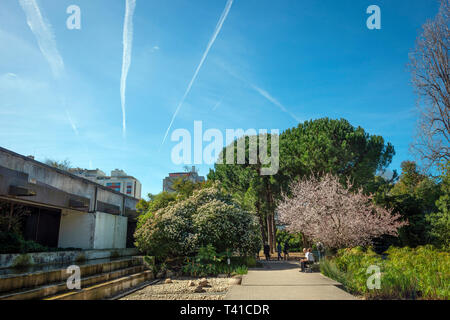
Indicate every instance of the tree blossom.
{"type": "Point", "coordinates": [325, 210]}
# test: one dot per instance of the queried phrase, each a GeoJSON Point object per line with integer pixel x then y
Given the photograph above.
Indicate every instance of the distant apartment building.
{"type": "Point", "coordinates": [118, 181]}
{"type": "Point", "coordinates": [191, 176]}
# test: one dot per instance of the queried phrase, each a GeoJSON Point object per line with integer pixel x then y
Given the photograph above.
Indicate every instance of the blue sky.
{"type": "Point", "coordinates": [316, 58]}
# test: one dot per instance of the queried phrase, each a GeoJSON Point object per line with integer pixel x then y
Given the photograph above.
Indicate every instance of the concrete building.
{"type": "Point", "coordinates": [191, 176]}
{"type": "Point", "coordinates": [64, 210]}
{"type": "Point", "coordinates": [118, 181]}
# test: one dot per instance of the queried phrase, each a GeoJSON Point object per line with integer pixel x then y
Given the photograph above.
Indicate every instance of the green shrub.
{"type": "Point", "coordinates": [208, 262]}
{"type": "Point", "coordinates": [420, 273]}
{"type": "Point", "coordinates": [207, 217]}
{"type": "Point", "coordinates": [11, 242]}
{"type": "Point", "coordinates": [241, 270]}
{"type": "Point", "coordinates": [115, 254]}
{"type": "Point", "coordinates": [80, 258]}
{"type": "Point", "coordinates": [22, 261]}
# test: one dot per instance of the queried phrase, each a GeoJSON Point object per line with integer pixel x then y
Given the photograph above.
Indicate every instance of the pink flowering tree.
{"type": "Point", "coordinates": [324, 210]}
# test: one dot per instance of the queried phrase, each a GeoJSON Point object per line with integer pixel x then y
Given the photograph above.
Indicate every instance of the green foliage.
{"type": "Point", "coordinates": [414, 197]}
{"type": "Point", "coordinates": [11, 242]}
{"type": "Point", "coordinates": [156, 202]}
{"type": "Point", "coordinates": [149, 261]}
{"type": "Point", "coordinates": [207, 217]}
{"type": "Point", "coordinates": [322, 145]}
{"type": "Point", "coordinates": [420, 273]}
{"type": "Point", "coordinates": [440, 220]}
{"type": "Point", "coordinates": [22, 261]}
{"type": "Point", "coordinates": [185, 188]}
{"type": "Point", "coordinates": [335, 146]}
{"type": "Point", "coordinates": [62, 165]}
{"type": "Point", "coordinates": [294, 240]}
{"type": "Point", "coordinates": [241, 270]}
{"type": "Point", "coordinates": [208, 262]}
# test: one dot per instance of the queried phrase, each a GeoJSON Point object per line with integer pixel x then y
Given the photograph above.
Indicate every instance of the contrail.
{"type": "Point", "coordinates": [47, 43]}
{"type": "Point", "coordinates": [126, 60]}
{"type": "Point", "coordinates": [44, 35]}
{"type": "Point", "coordinates": [266, 95]}
{"type": "Point", "coordinates": [217, 104]}
{"type": "Point", "coordinates": [72, 123]}
{"type": "Point", "coordinates": [219, 25]}
{"type": "Point", "coordinates": [262, 92]}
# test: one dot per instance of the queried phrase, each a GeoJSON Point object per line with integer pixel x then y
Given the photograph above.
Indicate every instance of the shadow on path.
{"type": "Point", "coordinates": [281, 280]}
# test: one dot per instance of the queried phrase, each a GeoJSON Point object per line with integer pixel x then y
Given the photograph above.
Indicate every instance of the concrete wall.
{"type": "Point", "coordinates": [110, 231]}
{"type": "Point", "coordinates": [109, 197]}
{"type": "Point", "coordinates": [76, 230]}
{"type": "Point", "coordinates": [45, 179]}
{"type": "Point", "coordinates": [7, 260]}
{"type": "Point", "coordinates": [92, 231]}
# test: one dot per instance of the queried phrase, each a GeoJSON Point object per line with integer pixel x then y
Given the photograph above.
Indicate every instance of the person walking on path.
{"type": "Point", "coordinates": [279, 251]}
{"type": "Point", "coordinates": [286, 251]}
{"type": "Point", "coordinates": [267, 251]}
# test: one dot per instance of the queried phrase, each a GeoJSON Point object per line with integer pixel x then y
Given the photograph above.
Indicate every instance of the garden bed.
{"type": "Point", "coordinates": [405, 273]}
{"type": "Point", "coordinates": [180, 289]}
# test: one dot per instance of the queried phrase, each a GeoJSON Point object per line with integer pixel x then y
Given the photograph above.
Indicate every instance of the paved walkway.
{"type": "Point", "coordinates": [283, 281]}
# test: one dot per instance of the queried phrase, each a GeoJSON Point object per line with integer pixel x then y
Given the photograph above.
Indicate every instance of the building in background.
{"type": "Point", "coordinates": [118, 181]}
{"type": "Point", "coordinates": [191, 176]}
{"type": "Point", "coordinates": [59, 209]}
{"type": "Point", "coordinates": [92, 175]}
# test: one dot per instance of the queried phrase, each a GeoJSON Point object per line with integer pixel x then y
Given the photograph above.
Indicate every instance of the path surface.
{"type": "Point", "coordinates": [283, 281]}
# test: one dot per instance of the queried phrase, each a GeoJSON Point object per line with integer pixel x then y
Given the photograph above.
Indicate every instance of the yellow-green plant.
{"type": "Point", "coordinates": [420, 273]}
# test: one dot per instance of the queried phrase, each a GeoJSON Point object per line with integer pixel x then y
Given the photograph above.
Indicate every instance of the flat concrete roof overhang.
{"type": "Point", "coordinates": [25, 180]}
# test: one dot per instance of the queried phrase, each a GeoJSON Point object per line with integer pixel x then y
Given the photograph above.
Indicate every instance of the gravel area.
{"type": "Point", "coordinates": [180, 290]}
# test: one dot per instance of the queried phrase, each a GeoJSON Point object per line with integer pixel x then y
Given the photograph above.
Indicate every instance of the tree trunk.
{"type": "Point", "coordinates": [261, 221]}
{"type": "Point", "coordinates": [270, 203]}
{"type": "Point", "coordinates": [270, 231]}
{"type": "Point", "coordinates": [274, 230]}
{"type": "Point", "coordinates": [11, 211]}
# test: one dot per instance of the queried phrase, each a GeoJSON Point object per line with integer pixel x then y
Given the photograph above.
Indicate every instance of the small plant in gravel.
{"type": "Point", "coordinates": [241, 270]}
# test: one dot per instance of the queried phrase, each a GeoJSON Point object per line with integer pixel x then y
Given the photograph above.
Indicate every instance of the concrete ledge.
{"type": "Point", "coordinates": [107, 289]}
{"type": "Point", "coordinates": [54, 289]}
{"type": "Point", "coordinates": [40, 258]}
{"type": "Point", "coordinates": [31, 280]}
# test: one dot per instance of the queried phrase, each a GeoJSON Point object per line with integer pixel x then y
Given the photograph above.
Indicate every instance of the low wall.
{"type": "Point", "coordinates": [7, 260]}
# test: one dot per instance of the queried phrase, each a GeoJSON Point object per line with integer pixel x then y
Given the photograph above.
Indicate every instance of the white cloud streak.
{"type": "Point", "coordinates": [262, 92]}
{"type": "Point", "coordinates": [219, 25]}
{"type": "Point", "coordinates": [44, 36]}
{"type": "Point", "coordinates": [274, 101]}
{"type": "Point", "coordinates": [126, 60]}
{"type": "Point", "coordinates": [217, 105]}
{"type": "Point", "coordinates": [43, 33]}
{"type": "Point", "coordinates": [72, 123]}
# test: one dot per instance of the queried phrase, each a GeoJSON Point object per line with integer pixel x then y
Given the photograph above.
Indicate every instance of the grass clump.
{"type": "Point", "coordinates": [22, 261]}
{"type": "Point", "coordinates": [406, 273]}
